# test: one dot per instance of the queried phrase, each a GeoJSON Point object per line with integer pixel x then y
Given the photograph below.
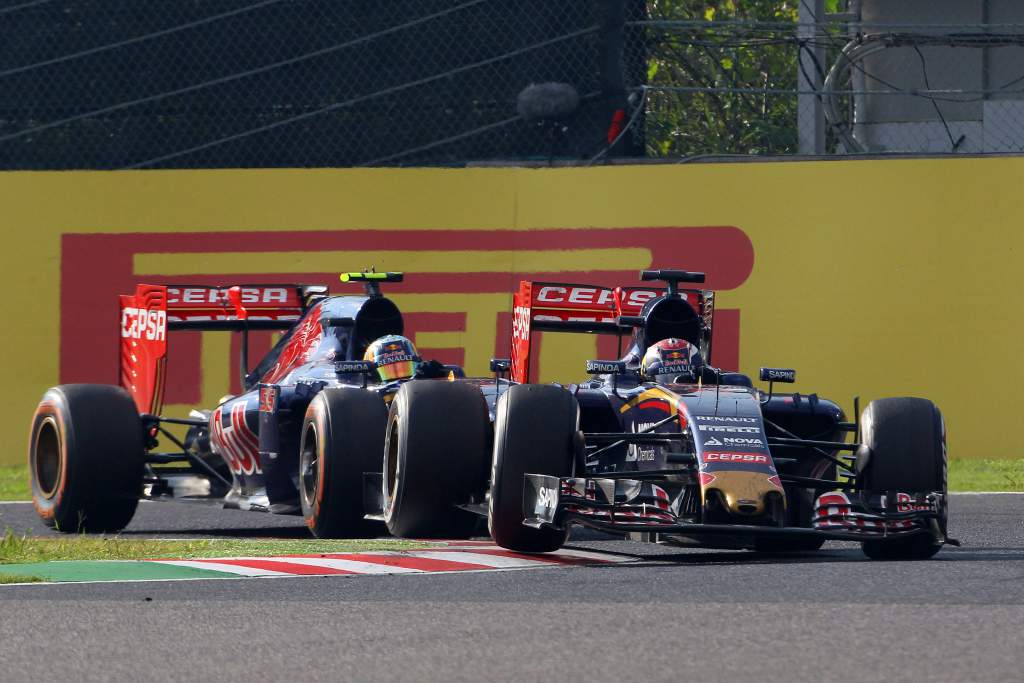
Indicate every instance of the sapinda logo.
{"type": "Point", "coordinates": [140, 323]}
{"type": "Point", "coordinates": [595, 367]}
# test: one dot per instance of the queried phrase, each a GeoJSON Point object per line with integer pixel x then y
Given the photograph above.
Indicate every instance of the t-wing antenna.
{"type": "Point", "coordinates": [371, 281]}
{"type": "Point", "coordinates": [672, 278]}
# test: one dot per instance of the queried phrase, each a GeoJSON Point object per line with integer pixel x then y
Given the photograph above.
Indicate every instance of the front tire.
{"type": "Point", "coordinates": [905, 450]}
{"type": "Point", "coordinates": [435, 458]}
{"type": "Point", "coordinates": [86, 458]}
{"type": "Point", "coordinates": [342, 437]}
{"type": "Point", "coordinates": [534, 429]}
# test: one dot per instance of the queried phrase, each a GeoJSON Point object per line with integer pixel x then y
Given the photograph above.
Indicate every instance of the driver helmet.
{"type": "Point", "coordinates": [395, 357]}
{"type": "Point", "coordinates": [670, 359]}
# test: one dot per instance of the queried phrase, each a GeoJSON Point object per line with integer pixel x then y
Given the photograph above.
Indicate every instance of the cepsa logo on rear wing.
{"type": "Point", "coordinates": [153, 310]}
{"type": "Point", "coordinates": [140, 323]}
{"type": "Point", "coordinates": [552, 306]}
{"type": "Point", "coordinates": [242, 302]}
{"type": "Point", "coordinates": [579, 298]}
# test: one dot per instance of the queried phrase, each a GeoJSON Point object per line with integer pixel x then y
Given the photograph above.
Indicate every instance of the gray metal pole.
{"type": "Point", "coordinates": [810, 116]}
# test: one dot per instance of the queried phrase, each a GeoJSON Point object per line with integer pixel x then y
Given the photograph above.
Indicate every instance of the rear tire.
{"type": "Point", "coordinates": [435, 458]}
{"type": "Point", "coordinates": [905, 440]}
{"type": "Point", "coordinates": [534, 431]}
{"type": "Point", "coordinates": [342, 437]}
{"type": "Point", "coordinates": [86, 458]}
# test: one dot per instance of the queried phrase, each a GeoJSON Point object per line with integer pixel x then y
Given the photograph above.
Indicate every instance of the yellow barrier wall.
{"type": "Point", "coordinates": [876, 278]}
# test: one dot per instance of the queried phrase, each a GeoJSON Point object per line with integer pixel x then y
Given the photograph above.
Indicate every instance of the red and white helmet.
{"type": "Point", "coordinates": [670, 359]}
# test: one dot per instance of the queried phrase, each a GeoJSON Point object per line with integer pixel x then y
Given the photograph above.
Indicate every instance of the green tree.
{"type": "Point", "coordinates": [714, 67]}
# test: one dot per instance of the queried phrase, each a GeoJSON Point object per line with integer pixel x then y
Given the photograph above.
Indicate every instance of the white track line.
{"type": "Point", "coordinates": [986, 493]}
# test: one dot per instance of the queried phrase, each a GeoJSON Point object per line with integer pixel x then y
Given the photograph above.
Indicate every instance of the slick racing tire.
{"type": "Point", "coordinates": [534, 431]}
{"type": "Point", "coordinates": [342, 437]}
{"type": "Point", "coordinates": [86, 458]}
{"type": "Point", "coordinates": [905, 450]}
{"type": "Point", "coordinates": [435, 458]}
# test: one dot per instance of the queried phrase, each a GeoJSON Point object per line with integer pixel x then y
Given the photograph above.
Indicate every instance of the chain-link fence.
{"type": "Point", "coordinates": [111, 84]}
{"type": "Point", "coordinates": [869, 76]}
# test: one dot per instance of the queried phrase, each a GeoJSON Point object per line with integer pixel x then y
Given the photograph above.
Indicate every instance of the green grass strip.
{"type": "Point", "coordinates": [14, 482]}
{"type": "Point", "coordinates": [24, 549]}
{"type": "Point", "coordinates": [986, 475]}
{"type": "Point", "coordinates": [18, 578]}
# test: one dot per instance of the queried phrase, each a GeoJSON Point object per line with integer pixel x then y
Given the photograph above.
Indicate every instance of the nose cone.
{"type": "Point", "coordinates": [745, 492]}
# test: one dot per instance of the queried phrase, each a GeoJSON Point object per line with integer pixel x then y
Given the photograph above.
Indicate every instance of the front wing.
{"type": "Point", "coordinates": [633, 505]}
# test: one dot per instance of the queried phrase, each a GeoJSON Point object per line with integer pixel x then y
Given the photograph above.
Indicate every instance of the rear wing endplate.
{"type": "Point", "coordinates": [154, 310]}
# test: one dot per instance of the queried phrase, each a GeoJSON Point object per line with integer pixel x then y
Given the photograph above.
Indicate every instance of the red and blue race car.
{"type": "Point", "coordinates": [307, 428]}
{"type": "Point", "coordinates": [662, 444]}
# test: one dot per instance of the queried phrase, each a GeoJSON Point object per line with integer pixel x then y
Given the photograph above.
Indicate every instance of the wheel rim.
{"type": "Point", "coordinates": [46, 458]}
{"type": "Point", "coordinates": [309, 468]}
{"type": "Point", "coordinates": [391, 468]}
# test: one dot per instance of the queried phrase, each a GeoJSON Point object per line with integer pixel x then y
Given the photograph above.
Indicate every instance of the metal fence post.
{"type": "Point", "coordinates": [810, 115]}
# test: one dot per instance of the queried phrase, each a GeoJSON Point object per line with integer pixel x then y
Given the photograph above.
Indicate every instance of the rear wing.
{"type": "Point", "coordinates": [565, 307]}
{"type": "Point", "coordinates": [154, 310]}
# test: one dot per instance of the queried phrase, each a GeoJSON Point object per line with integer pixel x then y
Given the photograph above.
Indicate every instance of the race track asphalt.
{"type": "Point", "coordinates": [676, 615]}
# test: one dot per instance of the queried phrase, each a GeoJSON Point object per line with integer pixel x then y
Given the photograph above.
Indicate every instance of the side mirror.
{"type": "Point", "coordinates": [606, 367]}
{"type": "Point", "coordinates": [778, 375]}
{"type": "Point", "coordinates": [500, 365]}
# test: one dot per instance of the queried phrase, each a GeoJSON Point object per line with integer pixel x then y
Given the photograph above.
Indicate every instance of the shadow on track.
{"type": "Point", "coordinates": [701, 557]}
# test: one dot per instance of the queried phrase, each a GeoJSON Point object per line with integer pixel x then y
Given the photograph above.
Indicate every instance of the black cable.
{"type": "Point", "coordinates": [924, 70]}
